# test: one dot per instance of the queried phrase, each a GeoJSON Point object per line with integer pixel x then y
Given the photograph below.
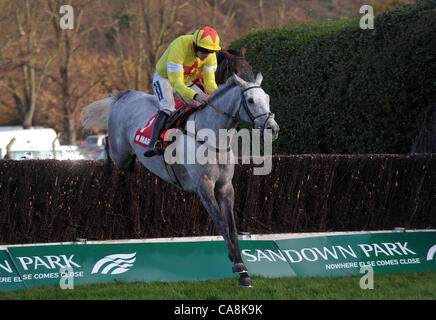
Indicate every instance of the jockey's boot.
{"type": "Point", "coordinates": [153, 149]}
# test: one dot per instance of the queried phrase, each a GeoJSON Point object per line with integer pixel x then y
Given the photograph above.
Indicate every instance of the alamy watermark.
{"type": "Point", "coordinates": [67, 20]}
{"type": "Point", "coordinates": [66, 280]}
{"type": "Point", "coordinates": [206, 146]}
{"type": "Point", "coordinates": [367, 20]}
{"type": "Point", "coordinates": [367, 280]}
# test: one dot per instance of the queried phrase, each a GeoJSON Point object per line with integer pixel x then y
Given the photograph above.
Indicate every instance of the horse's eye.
{"type": "Point", "coordinates": [250, 100]}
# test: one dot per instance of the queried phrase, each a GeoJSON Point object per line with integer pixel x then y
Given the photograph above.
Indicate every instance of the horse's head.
{"type": "Point", "coordinates": [230, 62]}
{"type": "Point", "coordinates": [255, 108]}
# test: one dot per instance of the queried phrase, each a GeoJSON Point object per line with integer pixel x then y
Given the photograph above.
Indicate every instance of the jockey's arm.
{"type": "Point", "coordinates": [209, 69]}
{"type": "Point", "coordinates": [176, 77]}
{"type": "Point", "coordinates": [174, 66]}
{"type": "Point", "coordinates": [176, 81]}
{"type": "Point", "coordinates": [209, 79]}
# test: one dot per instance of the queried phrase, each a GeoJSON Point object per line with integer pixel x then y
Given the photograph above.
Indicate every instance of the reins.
{"type": "Point", "coordinates": [218, 109]}
{"type": "Point", "coordinates": [246, 108]}
{"type": "Point", "coordinates": [236, 116]}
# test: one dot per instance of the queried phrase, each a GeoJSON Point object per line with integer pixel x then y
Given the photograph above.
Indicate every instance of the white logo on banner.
{"type": "Point", "coordinates": [115, 263]}
{"type": "Point", "coordinates": [431, 253]}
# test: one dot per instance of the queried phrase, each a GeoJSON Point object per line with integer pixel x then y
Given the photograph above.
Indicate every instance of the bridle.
{"type": "Point", "coordinates": [236, 115]}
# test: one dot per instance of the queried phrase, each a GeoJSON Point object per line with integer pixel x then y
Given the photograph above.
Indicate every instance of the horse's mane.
{"type": "Point", "coordinates": [230, 83]}
{"type": "Point", "coordinates": [220, 56]}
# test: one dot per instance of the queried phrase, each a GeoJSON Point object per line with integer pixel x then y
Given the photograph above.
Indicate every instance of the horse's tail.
{"type": "Point", "coordinates": [96, 114]}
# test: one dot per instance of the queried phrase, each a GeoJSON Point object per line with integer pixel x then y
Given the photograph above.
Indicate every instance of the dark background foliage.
{"type": "Point", "coordinates": [336, 88]}
{"type": "Point", "coordinates": [49, 200]}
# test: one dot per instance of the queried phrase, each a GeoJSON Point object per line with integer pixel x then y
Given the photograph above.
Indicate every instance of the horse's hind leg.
{"type": "Point", "coordinates": [121, 153]}
{"type": "Point", "coordinates": [126, 163]}
{"type": "Point", "coordinates": [131, 163]}
{"type": "Point", "coordinates": [107, 168]}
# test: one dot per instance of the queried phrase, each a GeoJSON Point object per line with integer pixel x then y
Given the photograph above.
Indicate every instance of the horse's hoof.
{"type": "Point", "coordinates": [245, 281]}
{"type": "Point", "coordinates": [239, 268]}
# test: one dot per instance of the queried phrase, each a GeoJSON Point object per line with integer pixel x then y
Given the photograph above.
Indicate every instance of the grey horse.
{"type": "Point", "coordinates": [235, 101]}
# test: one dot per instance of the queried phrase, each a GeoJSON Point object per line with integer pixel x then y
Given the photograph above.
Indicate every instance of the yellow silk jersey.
{"type": "Point", "coordinates": [180, 65]}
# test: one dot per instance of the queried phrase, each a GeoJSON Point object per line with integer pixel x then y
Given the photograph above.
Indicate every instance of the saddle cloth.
{"type": "Point", "coordinates": [177, 119]}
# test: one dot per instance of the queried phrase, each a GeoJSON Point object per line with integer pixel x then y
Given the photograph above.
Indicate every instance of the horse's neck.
{"type": "Point", "coordinates": [209, 118]}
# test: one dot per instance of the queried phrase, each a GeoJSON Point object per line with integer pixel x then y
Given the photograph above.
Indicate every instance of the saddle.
{"type": "Point", "coordinates": [177, 120]}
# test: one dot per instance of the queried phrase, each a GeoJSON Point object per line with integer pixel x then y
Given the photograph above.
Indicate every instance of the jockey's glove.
{"type": "Point", "coordinates": [201, 97]}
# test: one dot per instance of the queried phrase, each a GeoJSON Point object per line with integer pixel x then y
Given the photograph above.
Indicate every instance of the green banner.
{"type": "Point", "coordinates": [332, 256]}
{"type": "Point", "coordinates": [92, 263]}
{"type": "Point", "coordinates": [9, 277]}
{"type": "Point", "coordinates": [263, 257]}
{"type": "Point", "coordinates": [326, 256]}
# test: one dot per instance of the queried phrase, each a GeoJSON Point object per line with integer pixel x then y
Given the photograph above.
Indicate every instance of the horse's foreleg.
{"type": "Point", "coordinates": [222, 215]}
{"type": "Point", "coordinates": [225, 197]}
{"type": "Point", "coordinates": [207, 196]}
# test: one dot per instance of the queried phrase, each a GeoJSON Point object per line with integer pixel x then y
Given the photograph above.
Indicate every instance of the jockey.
{"type": "Point", "coordinates": [182, 62]}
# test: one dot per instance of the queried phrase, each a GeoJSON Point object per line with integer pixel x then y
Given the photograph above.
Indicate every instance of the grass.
{"type": "Point", "coordinates": [413, 286]}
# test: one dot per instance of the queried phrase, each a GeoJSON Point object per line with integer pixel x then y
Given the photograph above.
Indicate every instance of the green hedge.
{"type": "Point", "coordinates": [336, 88]}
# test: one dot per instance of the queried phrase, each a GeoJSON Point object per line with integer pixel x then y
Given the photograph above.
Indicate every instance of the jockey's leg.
{"type": "Point", "coordinates": [158, 127]}
{"type": "Point", "coordinates": [164, 93]}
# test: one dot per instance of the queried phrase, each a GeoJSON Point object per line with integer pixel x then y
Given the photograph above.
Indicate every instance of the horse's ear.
{"type": "Point", "coordinates": [259, 78]}
{"type": "Point", "coordinates": [242, 83]}
{"type": "Point", "coordinates": [243, 52]}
